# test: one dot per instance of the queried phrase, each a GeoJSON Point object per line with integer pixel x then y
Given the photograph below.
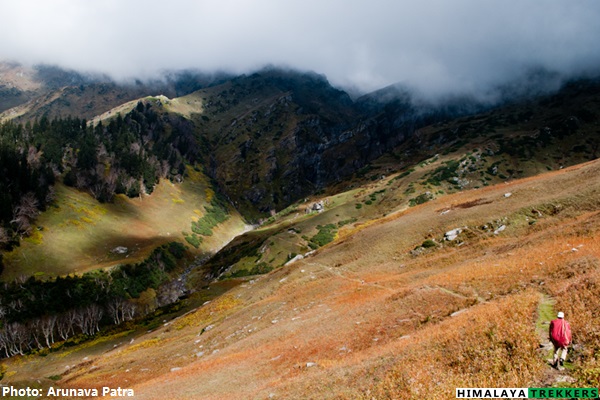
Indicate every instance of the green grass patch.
{"type": "Point", "coordinates": [347, 221]}
{"type": "Point", "coordinates": [260, 269]}
{"type": "Point", "coordinates": [420, 199]}
{"type": "Point", "coordinates": [325, 235]}
{"type": "Point", "coordinates": [216, 213]}
{"type": "Point", "coordinates": [194, 240]}
{"type": "Point", "coordinates": [444, 173]}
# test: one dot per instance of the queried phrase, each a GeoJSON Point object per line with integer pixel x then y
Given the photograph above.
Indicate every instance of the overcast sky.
{"type": "Point", "coordinates": [436, 46]}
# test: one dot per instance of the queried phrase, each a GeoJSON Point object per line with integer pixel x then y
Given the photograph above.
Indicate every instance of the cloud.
{"type": "Point", "coordinates": [435, 46]}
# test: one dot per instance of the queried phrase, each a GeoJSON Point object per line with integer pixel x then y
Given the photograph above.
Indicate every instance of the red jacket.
{"type": "Point", "coordinates": [560, 332]}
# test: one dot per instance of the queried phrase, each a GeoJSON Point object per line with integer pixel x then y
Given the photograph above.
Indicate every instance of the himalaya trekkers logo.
{"type": "Point", "coordinates": [526, 393]}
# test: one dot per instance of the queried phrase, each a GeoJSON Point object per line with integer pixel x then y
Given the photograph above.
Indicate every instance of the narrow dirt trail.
{"type": "Point", "coordinates": [546, 313]}
{"type": "Point", "coordinates": [341, 273]}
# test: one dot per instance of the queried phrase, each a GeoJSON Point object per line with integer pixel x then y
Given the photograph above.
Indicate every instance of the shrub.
{"type": "Point", "coordinates": [325, 235]}
{"type": "Point", "coordinates": [216, 213]}
{"type": "Point", "coordinates": [420, 199]}
{"type": "Point", "coordinates": [194, 240]}
{"type": "Point", "coordinates": [428, 244]}
{"type": "Point", "coordinates": [177, 249]}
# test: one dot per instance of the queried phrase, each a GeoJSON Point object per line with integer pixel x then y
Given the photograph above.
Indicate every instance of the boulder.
{"type": "Point", "coordinates": [319, 207]}
{"type": "Point", "coordinates": [120, 250]}
{"type": "Point", "coordinates": [293, 260]}
{"type": "Point", "coordinates": [453, 234]}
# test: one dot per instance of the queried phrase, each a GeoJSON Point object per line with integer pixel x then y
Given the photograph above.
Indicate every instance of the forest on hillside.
{"type": "Point", "coordinates": [127, 155]}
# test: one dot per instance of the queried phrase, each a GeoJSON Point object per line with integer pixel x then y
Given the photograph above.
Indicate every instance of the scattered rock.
{"type": "Point", "coordinates": [199, 354]}
{"type": "Point", "coordinates": [453, 234]}
{"type": "Point", "coordinates": [293, 260]}
{"type": "Point", "coordinates": [119, 250]}
{"type": "Point", "coordinates": [565, 379]}
{"type": "Point", "coordinates": [454, 314]}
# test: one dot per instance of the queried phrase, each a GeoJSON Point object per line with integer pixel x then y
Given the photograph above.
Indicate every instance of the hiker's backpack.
{"type": "Point", "coordinates": [560, 332]}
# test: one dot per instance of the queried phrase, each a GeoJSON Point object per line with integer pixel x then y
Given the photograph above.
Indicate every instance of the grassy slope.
{"type": "Point", "coordinates": [369, 302]}
{"type": "Point", "coordinates": [379, 320]}
{"type": "Point", "coordinates": [78, 233]}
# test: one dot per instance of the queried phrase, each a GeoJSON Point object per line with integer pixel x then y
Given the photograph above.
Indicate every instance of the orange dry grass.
{"type": "Point", "coordinates": [213, 311]}
{"type": "Point", "coordinates": [380, 323]}
{"type": "Point", "coordinates": [576, 287]}
{"type": "Point", "coordinates": [492, 345]}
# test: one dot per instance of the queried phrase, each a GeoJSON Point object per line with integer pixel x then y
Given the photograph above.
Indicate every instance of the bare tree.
{"type": "Point", "coordinates": [115, 308]}
{"type": "Point", "coordinates": [81, 180]}
{"type": "Point", "coordinates": [17, 338]}
{"type": "Point", "coordinates": [25, 213]}
{"type": "Point", "coordinates": [121, 310]}
{"type": "Point", "coordinates": [51, 195]}
{"type": "Point", "coordinates": [93, 314]}
{"type": "Point", "coordinates": [129, 311]}
{"type": "Point", "coordinates": [34, 328]}
{"type": "Point", "coordinates": [4, 343]}
{"type": "Point", "coordinates": [34, 157]}
{"type": "Point", "coordinates": [4, 236]}
{"type": "Point", "coordinates": [65, 325]}
{"type": "Point", "coordinates": [165, 168]}
{"type": "Point", "coordinates": [47, 326]}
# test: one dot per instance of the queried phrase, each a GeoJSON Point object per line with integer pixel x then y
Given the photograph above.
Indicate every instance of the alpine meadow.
{"type": "Point", "coordinates": [252, 213]}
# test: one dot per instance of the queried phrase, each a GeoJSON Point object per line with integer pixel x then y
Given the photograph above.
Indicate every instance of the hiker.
{"type": "Point", "coordinates": [560, 336]}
